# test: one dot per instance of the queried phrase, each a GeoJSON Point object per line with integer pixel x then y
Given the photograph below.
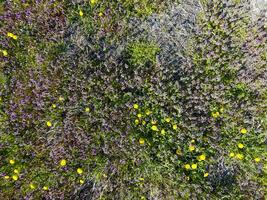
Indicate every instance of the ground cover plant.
{"type": "Point", "coordinates": [127, 99]}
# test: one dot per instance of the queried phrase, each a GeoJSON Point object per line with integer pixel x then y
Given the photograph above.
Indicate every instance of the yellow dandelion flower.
{"type": "Point", "coordinates": [54, 105]}
{"type": "Point", "coordinates": [174, 127]}
{"type": "Point", "coordinates": [79, 171]}
{"type": "Point", "coordinates": [6, 177]}
{"type": "Point", "coordinates": [192, 148]}
{"type": "Point", "coordinates": [87, 109]}
{"type": "Point", "coordinates": [194, 166]}
{"type": "Point", "coordinates": [12, 162]}
{"type": "Point", "coordinates": [240, 145]}
{"type": "Point", "coordinates": [148, 112]}
{"type": "Point", "coordinates": [206, 174]}
{"type": "Point", "coordinates": [142, 141]}
{"type": "Point", "coordinates": [257, 159]}
{"type": "Point", "coordinates": [63, 162]}
{"type": "Point", "coordinates": [81, 13]}
{"type": "Point", "coordinates": [179, 152]}
{"type": "Point", "coordinates": [202, 157]}
{"type": "Point", "coordinates": [93, 1]}
{"type": "Point", "coordinates": [135, 106]}
{"type": "Point", "coordinates": [239, 156]}
{"type": "Point", "coordinates": [81, 181]}
{"type": "Point", "coordinates": [136, 121]}
{"type": "Point", "coordinates": [100, 14]}
{"type": "Point", "coordinates": [162, 132]}
{"type": "Point", "coordinates": [32, 186]}
{"type": "Point", "coordinates": [5, 53]}
{"type": "Point", "coordinates": [61, 98]}
{"type": "Point", "coordinates": [45, 188]}
{"type": "Point", "coordinates": [15, 177]}
{"type": "Point", "coordinates": [215, 114]}
{"type": "Point", "coordinates": [48, 123]}
{"type": "Point", "coordinates": [154, 128]}
{"type": "Point", "coordinates": [144, 122]}
{"type": "Point", "coordinates": [16, 171]}
{"type": "Point", "coordinates": [15, 37]}
{"type": "Point", "coordinates": [193, 141]}
{"type": "Point", "coordinates": [243, 131]}
{"type": "Point", "coordinates": [139, 115]}
{"type": "Point", "coordinates": [153, 122]}
{"type": "Point", "coordinates": [12, 36]}
{"type": "Point", "coordinates": [187, 167]}
{"type": "Point", "coordinates": [141, 179]}
{"type": "Point", "coordinates": [168, 119]}
{"type": "Point", "coordinates": [231, 154]}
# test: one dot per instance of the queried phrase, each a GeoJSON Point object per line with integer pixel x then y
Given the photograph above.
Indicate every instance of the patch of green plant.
{"type": "Point", "coordinates": [142, 53]}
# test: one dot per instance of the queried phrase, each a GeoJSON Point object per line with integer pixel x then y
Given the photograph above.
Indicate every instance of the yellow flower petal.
{"type": "Point", "coordinates": [135, 106]}
{"type": "Point", "coordinates": [257, 159]}
{"type": "Point", "coordinates": [81, 181]}
{"type": "Point", "coordinates": [5, 53]}
{"type": "Point", "coordinates": [63, 162]}
{"type": "Point", "coordinates": [206, 174]}
{"type": "Point", "coordinates": [192, 148]}
{"type": "Point", "coordinates": [194, 166]}
{"type": "Point", "coordinates": [215, 114]}
{"type": "Point", "coordinates": [142, 141]}
{"type": "Point", "coordinates": [153, 122]}
{"type": "Point", "coordinates": [93, 1]}
{"type": "Point", "coordinates": [179, 152]}
{"type": "Point", "coordinates": [148, 112]}
{"type": "Point", "coordinates": [12, 36]}
{"type": "Point", "coordinates": [15, 177]}
{"type": "Point", "coordinates": [45, 188]}
{"type": "Point", "coordinates": [239, 156]}
{"type": "Point", "coordinates": [231, 154]}
{"type": "Point", "coordinates": [87, 109]}
{"type": "Point", "coordinates": [174, 127]}
{"type": "Point", "coordinates": [6, 177]}
{"type": "Point", "coordinates": [81, 13]}
{"type": "Point", "coordinates": [32, 186]}
{"type": "Point", "coordinates": [202, 157]}
{"type": "Point", "coordinates": [154, 128]}
{"type": "Point", "coordinates": [48, 123]}
{"type": "Point", "coordinates": [187, 166]}
{"type": "Point", "coordinates": [16, 171]}
{"type": "Point", "coordinates": [243, 131]}
{"type": "Point", "coordinates": [79, 171]}
{"type": "Point", "coordinates": [12, 162]}
{"type": "Point", "coordinates": [168, 119]}
{"type": "Point", "coordinates": [240, 145]}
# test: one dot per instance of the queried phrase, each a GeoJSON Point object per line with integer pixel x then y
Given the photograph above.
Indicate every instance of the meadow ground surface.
{"type": "Point", "coordinates": [132, 99]}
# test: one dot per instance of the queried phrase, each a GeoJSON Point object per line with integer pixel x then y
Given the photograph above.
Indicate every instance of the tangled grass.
{"type": "Point", "coordinates": [132, 100]}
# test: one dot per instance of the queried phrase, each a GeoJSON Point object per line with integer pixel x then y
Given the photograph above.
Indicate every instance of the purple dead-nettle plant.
{"type": "Point", "coordinates": [28, 102]}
